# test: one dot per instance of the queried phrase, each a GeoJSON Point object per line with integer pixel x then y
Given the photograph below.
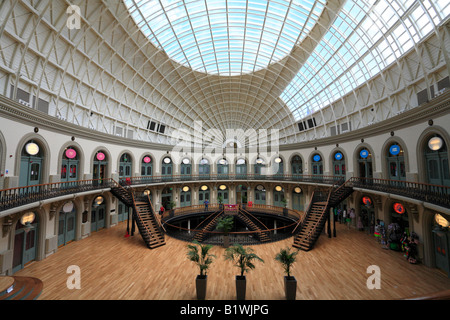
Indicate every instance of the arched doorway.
{"type": "Point", "coordinates": [147, 166]}
{"type": "Point", "coordinates": [396, 162]}
{"type": "Point", "coordinates": [69, 165]}
{"type": "Point", "coordinates": [441, 242]}
{"type": "Point", "coordinates": [98, 214]}
{"type": "Point", "coordinates": [241, 168]}
{"type": "Point", "coordinates": [25, 241]}
{"type": "Point", "coordinates": [223, 193]}
{"type": "Point", "coordinates": [166, 197]}
{"type": "Point", "coordinates": [222, 169]}
{"type": "Point", "coordinates": [203, 194]}
{"type": "Point", "coordinates": [367, 214]}
{"type": "Point", "coordinates": [241, 194]}
{"type": "Point", "coordinates": [278, 168]}
{"type": "Point", "coordinates": [100, 167]}
{"type": "Point", "coordinates": [297, 199]}
{"type": "Point", "coordinates": [260, 194]}
{"type": "Point", "coordinates": [67, 224]}
{"type": "Point", "coordinates": [399, 224]}
{"type": "Point", "coordinates": [365, 163]}
{"type": "Point", "coordinates": [204, 169]}
{"type": "Point", "coordinates": [125, 166]}
{"type": "Point", "coordinates": [31, 163]}
{"type": "Point", "coordinates": [186, 169]}
{"type": "Point", "coordinates": [296, 167]}
{"type": "Point", "coordinates": [436, 161]}
{"type": "Point", "coordinates": [317, 165]}
{"type": "Point", "coordinates": [260, 167]}
{"type": "Point", "coordinates": [167, 169]}
{"type": "Point", "coordinates": [339, 167]}
{"type": "Point", "coordinates": [278, 197]}
{"type": "Point", "coordinates": [185, 196]}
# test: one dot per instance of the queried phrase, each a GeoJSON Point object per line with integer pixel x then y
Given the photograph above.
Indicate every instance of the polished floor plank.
{"type": "Point", "coordinates": [117, 268]}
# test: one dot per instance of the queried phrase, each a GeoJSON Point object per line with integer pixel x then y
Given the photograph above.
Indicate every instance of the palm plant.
{"type": "Point", "coordinates": [287, 258]}
{"type": "Point", "coordinates": [242, 257]}
{"type": "Point", "coordinates": [225, 224]}
{"type": "Point", "coordinates": [199, 254]}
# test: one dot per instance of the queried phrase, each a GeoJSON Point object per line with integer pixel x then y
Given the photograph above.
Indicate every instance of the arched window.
{"type": "Point", "coordinates": [166, 168]}
{"type": "Point", "coordinates": [436, 161]}
{"type": "Point", "coordinates": [296, 166]}
{"type": "Point", "coordinates": [204, 169]}
{"type": "Point", "coordinates": [339, 168]}
{"type": "Point", "coordinates": [125, 166]}
{"type": "Point", "coordinates": [222, 169]}
{"type": "Point", "coordinates": [317, 164]}
{"type": "Point", "coordinates": [100, 167]}
{"type": "Point", "coordinates": [69, 165]}
{"type": "Point", "coordinates": [186, 169]}
{"type": "Point", "coordinates": [147, 166]}
{"type": "Point", "coordinates": [31, 163]}
{"type": "Point", "coordinates": [365, 163]}
{"type": "Point", "coordinates": [278, 167]}
{"type": "Point", "coordinates": [396, 162]}
{"type": "Point", "coordinates": [241, 168]}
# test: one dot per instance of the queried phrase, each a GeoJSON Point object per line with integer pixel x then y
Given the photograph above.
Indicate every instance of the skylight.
{"type": "Point", "coordinates": [225, 37]}
{"type": "Point", "coordinates": [364, 39]}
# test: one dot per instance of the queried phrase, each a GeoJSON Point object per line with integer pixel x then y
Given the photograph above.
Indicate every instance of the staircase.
{"type": "Point", "coordinates": [150, 229]}
{"type": "Point", "coordinates": [23, 288]}
{"type": "Point", "coordinates": [312, 226]}
{"type": "Point", "coordinates": [147, 224]}
{"type": "Point", "coordinates": [251, 222]}
{"type": "Point", "coordinates": [211, 222]}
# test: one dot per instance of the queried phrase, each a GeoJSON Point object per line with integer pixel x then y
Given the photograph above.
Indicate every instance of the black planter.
{"type": "Point", "coordinates": [241, 286]}
{"type": "Point", "coordinates": [290, 287]}
{"type": "Point", "coordinates": [226, 241]}
{"type": "Point", "coordinates": [200, 285]}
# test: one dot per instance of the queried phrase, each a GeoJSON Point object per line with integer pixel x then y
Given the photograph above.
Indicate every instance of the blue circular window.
{"type": "Point", "coordinates": [338, 156]}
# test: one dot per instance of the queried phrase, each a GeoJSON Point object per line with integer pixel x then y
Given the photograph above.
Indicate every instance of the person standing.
{"type": "Point", "coordinates": [206, 202]}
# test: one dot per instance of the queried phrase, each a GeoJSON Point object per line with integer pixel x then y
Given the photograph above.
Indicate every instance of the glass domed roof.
{"type": "Point", "coordinates": [225, 37]}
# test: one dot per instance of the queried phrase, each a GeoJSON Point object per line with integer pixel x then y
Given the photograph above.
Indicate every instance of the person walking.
{"type": "Point", "coordinates": [206, 202]}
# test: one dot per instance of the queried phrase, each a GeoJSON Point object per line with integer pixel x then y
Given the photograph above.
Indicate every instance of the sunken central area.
{"type": "Point", "coordinates": [247, 228]}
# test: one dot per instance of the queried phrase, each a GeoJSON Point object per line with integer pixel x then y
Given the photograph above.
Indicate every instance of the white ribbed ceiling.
{"type": "Point", "coordinates": [223, 65]}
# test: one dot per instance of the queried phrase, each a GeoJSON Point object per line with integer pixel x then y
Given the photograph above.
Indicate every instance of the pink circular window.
{"type": "Point", "coordinates": [147, 159]}
{"type": "Point", "coordinates": [101, 156]}
{"type": "Point", "coordinates": [71, 153]}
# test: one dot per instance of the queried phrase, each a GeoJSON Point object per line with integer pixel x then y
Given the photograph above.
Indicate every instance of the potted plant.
{"type": "Point", "coordinates": [243, 259]}
{"type": "Point", "coordinates": [287, 258]}
{"type": "Point", "coordinates": [220, 201]}
{"type": "Point", "coordinates": [285, 210]}
{"type": "Point", "coordinates": [225, 225]}
{"type": "Point", "coordinates": [199, 254]}
{"type": "Point", "coordinates": [171, 205]}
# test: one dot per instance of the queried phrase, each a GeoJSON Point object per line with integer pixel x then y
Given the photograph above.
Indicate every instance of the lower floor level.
{"type": "Point", "coordinates": [111, 266]}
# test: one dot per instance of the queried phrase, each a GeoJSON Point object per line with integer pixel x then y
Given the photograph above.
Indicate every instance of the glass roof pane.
{"type": "Point", "coordinates": [177, 26]}
{"type": "Point", "coordinates": [365, 37]}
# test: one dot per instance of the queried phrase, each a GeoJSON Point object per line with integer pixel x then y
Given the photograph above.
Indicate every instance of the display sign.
{"type": "Point", "coordinates": [364, 153]}
{"type": "Point", "coordinates": [338, 156]}
{"type": "Point", "coordinates": [101, 156]}
{"type": "Point", "coordinates": [71, 153]}
{"type": "Point", "coordinates": [394, 150]}
{"type": "Point", "coordinates": [147, 159]}
{"type": "Point", "coordinates": [316, 158]}
{"type": "Point", "coordinates": [399, 208]}
{"type": "Point", "coordinates": [367, 201]}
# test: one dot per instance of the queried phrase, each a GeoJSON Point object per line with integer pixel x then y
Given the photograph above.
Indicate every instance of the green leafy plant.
{"type": "Point", "coordinates": [172, 204]}
{"type": "Point", "coordinates": [287, 258]}
{"type": "Point", "coordinates": [220, 199]}
{"type": "Point", "coordinates": [225, 224]}
{"type": "Point", "coordinates": [199, 254]}
{"type": "Point", "coordinates": [243, 258]}
{"type": "Point", "coordinates": [284, 201]}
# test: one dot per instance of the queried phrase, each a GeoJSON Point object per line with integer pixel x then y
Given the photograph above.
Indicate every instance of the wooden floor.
{"type": "Point", "coordinates": [117, 268]}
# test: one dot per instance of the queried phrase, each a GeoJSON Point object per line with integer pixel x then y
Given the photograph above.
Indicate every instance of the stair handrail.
{"type": "Point", "coordinates": [158, 221]}
{"type": "Point", "coordinates": [136, 213]}
{"type": "Point", "coordinates": [207, 218]}
{"type": "Point", "coordinates": [313, 230]}
{"type": "Point", "coordinates": [302, 219]}
{"type": "Point", "coordinates": [246, 212]}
